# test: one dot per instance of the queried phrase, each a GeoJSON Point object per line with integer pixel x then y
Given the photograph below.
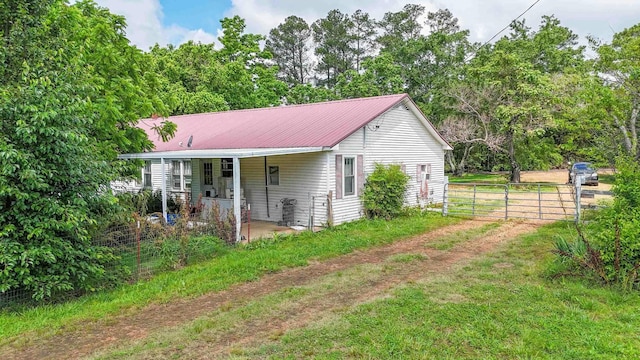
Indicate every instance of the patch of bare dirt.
{"type": "Point", "coordinates": [89, 338]}
{"type": "Point", "coordinates": [559, 177]}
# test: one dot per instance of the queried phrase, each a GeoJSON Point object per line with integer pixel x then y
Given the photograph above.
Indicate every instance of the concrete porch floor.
{"type": "Point", "coordinates": [264, 229]}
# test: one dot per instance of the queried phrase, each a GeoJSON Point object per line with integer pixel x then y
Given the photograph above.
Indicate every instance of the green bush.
{"type": "Point", "coordinates": [609, 245]}
{"type": "Point", "coordinates": [384, 191]}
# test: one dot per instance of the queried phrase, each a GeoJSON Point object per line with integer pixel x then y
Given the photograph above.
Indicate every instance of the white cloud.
{"type": "Point", "coordinates": [482, 18]}
{"type": "Point", "coordinates": [600, 18]}
{"type": "Point", "coordinates": [144, 24]}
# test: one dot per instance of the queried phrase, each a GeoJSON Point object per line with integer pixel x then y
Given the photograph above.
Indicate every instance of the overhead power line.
{"type": "Point", "coordinates": [505, 28]}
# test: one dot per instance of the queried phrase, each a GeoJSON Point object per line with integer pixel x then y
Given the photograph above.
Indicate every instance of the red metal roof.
{"type": "Point", "coordinates": [310, 125]}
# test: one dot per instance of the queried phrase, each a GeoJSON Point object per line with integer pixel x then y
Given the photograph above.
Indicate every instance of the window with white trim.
{"type": "Point", "coordinates": [146, 174]}
{"type": "Point", "coordinates": [349, 176]}
{"type": "Point", "coordinates": [274, 175]}
{"type": "Point", "coordinates": [181, 174]}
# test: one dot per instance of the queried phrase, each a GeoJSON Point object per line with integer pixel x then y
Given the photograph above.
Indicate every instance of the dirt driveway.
{"type": "Point", "coordinates": [559, 177]}
{"type": "Point", "coordinates": [95, 338]}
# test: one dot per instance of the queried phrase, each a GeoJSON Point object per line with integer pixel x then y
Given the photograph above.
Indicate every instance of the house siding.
{"type": "Point", "coordinates": [302, 176]}
{"type": "Point", "coordinates": [396, 137]}
{"type": "Point", "coordinates": [349, 207]}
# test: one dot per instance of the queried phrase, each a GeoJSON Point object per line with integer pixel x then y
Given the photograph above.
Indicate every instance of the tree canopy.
{"type": "Point", "coordinates": [72, 89]}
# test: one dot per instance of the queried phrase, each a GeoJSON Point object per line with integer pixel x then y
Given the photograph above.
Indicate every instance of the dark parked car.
{"type": "Point", "coordinates": [586, 171]}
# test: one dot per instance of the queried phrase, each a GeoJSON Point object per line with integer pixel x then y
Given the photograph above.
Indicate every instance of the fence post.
{"type": "Point", "coordinates": [138, 241]}
{"type": "Point", "coordinates": [539, 203]}
{"type": "Point", "coordinates": [473, 204]}
{"type": "Point", "coordinates": [578, 183]}
{"type": "Point", "coordinates": [445, 204]}
{"type": "Point", "coordinates": [506, 201]}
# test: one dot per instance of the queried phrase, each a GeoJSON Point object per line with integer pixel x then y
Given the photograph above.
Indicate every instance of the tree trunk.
{"type": "Point", "coordinates": [515, 166]}
{"type": "Point", "coordinates": [452, 161]}
{"type": "Point", "coordinates": [462, 164]}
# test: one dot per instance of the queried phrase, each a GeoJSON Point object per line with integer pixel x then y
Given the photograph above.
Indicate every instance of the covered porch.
{"type": "Point", "coordinates": [252, 175]}
{"type": "Point", "coordinates": [254, 230]}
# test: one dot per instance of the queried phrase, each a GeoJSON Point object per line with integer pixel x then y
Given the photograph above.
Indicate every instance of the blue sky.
{"type": "Point", "coordinates": [195, 13]}
{"type": "Point", "coordinates": [178, 21]}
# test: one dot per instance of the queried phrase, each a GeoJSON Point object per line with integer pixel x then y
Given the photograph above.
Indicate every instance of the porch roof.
{"type": "Point", "coordinates": [223, 153]}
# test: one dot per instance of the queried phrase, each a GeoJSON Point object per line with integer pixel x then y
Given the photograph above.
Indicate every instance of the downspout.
{"type": "Point", "coordinates": [266, 185]}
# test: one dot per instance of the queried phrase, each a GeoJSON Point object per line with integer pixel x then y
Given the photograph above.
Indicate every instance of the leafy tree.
{"type": "Point", "coordinates": [246, 79]}
{"type": "Point", "coordinates": [401, 38]}
{"type": "Point", "coordinates": [441, 60]}
{"type": "Point", "coordinates": [333, 45]}
{"type": "Point", "coordinates": [400, 28]}
{"type": "Point", "coordinates": [307, 94]}
{"type": "Point", "coordinates": [380, 77]}
{"type": "Point", "coordinates": [289, 45]}
{"type": "Point", "coordinates": [618, 93]}
{"type": "Point", "coordinates": [513, 92]}
{"type": "Point", "coordinates": [71, 91]}
{"type": "Point", "coordinates": [362, 34]}
{"type": "Point", "coordinates": [123, 87]}
{"type": "Point", "coordinates": [197, 78]}
{"type": "Point", "coordinates": [183, 75]}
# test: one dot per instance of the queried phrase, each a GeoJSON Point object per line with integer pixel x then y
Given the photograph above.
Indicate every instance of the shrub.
{"type": "Point", "coordinates": [609, 245]}
{"type": "Point", "coordinates": [384, 191]}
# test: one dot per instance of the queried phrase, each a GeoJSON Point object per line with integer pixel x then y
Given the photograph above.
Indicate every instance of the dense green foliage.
{"type": "Point", "coordinates": [609, 247]}
{"type": "Point", "coordinates": [530, 100]}
{"type": "Point", "coordinates": [71, 92]}
{"type": "Point", "coordinates": [384, 190]}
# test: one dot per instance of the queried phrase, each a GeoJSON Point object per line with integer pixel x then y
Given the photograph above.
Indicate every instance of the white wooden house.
{"type": "Point", "coordinates": [302, 152]}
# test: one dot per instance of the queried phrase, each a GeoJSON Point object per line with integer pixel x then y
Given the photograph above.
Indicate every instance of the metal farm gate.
{"type": "Point", "coordinates": [519, 201]}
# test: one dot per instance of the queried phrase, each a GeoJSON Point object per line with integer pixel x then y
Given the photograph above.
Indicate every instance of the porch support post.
{"type": "Point", "coordinates": [164, 189]}
{"type": "Point", "coordinates": [237, 213]}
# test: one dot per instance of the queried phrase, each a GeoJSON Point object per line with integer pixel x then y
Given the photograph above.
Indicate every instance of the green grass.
{"type": "Point", "coordinates": [607, 178]}
{"type": "Point", "coordinates": [231, 266]}
{"type": "Point", "coordinates": [502, 306]}
{"type": "Point", "coordinates": [449, 241]}
{"type": "Point", "coordinates": [480, 178]}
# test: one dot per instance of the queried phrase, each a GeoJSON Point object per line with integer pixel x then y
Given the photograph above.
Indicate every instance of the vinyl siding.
{"type": "Point", "coordinates": [399, 137]}
{"type": "Point", "coordinates": [302, 176]}
{"type": "Point", "coordinates": [402, 139]}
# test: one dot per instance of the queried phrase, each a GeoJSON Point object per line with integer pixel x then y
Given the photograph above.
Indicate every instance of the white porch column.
{"type": "Point", "coordinates": [164, 189]}
{"type": "Point", "coordinates": [236, 197]}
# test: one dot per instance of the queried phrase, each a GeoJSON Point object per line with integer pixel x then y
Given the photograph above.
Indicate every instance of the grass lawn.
{"type": "Point", "coordinates": [230, 266]}
{"type": "Point", "coordinates": [502, 306]}
{"type": "Point", "coordinates": [607, 178]}
{"type": "Point", "coordinates": [480, 178]}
